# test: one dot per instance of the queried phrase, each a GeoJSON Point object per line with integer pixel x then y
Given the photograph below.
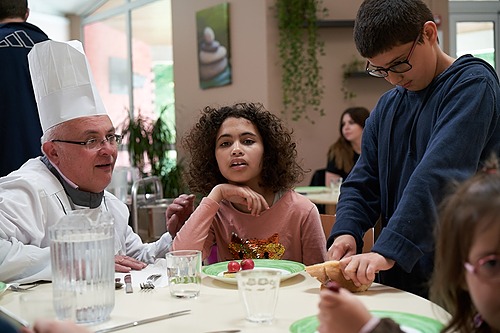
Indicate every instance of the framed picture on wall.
{"type": "Point", "coordinates": [214, 61]}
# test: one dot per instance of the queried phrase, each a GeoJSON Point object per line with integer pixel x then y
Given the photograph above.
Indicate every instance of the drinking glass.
{"type": "Point", "coordinates": [258, 289]}
{"type": "Point", "coordinates": [184, 273]}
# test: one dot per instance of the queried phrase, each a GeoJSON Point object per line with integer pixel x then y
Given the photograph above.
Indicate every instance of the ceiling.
{"type": "Point", "coordinates": [59, 7]}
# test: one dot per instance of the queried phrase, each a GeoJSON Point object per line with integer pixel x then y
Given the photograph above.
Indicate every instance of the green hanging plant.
{"type": "Point", "coordinates": [354, 67]}
{"type": "Point", "coordinates": [299, 49]}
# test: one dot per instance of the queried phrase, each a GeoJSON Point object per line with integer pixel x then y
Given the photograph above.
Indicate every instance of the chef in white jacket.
{"type": "Point", "coordinates": [79, 147]}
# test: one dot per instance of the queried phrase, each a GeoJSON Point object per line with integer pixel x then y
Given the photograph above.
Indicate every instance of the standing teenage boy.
{"type": "Point", "coordinates": [437, 125]}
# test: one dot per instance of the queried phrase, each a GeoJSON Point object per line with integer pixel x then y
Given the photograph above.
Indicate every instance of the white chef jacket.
{"type": "Point", "coordinates": [31, 200]}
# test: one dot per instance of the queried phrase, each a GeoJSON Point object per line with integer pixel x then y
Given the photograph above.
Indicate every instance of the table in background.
{"type": "Point", "coordinates": [320, 195]}
{"type": "Point", "coordinates": [218, 307]}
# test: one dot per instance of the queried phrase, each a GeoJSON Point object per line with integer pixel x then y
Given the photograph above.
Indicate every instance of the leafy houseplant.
{"type": "Point", "coordinates": [149, 143]}
{"type": "Point", "coordinates": [299, 48]}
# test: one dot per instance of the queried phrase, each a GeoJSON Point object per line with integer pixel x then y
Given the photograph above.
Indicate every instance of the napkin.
{"type": "Point", "coordinates": [138, 277]}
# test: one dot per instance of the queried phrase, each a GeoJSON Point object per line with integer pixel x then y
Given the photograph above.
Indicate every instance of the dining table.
{"type": "Point", "coordinates": [219, 307]}
{"type": "Point", "coordinates": [321, 195]}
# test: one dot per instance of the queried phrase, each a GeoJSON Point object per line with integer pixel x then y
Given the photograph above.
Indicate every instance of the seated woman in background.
{"type": "Point", "coordinates": [243, 160]}
{"type": "Point", "coordinates": [344, 153]}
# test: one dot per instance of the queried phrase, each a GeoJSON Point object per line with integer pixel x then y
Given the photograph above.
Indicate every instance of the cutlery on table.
{"type": "Point", "coordinates": [18, 287]}
{"type": "Point", "coordinates": [150, 282]}
{"type": "Point", "coordinates": [143, 321]}
{"type": "Point", "coordinates": [128, 283]}
{"type": "Point", "coordinates": [225, 331]}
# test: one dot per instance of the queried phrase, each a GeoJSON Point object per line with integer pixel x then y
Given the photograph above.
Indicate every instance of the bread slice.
{"type": "Point", "coordinates": [331, 271]}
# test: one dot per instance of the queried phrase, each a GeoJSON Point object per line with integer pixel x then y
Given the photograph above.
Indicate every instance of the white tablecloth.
{"type": "Point", "coordinates": [218, 307]}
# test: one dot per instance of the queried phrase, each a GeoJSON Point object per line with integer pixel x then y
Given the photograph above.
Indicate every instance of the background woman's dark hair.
{"type": "Point", "coordinates": [473, 206]}
{"type": "Point", "coordinates": [382, 25]}
{"type": "Point", "coordinates": [280, 170]}
{"type": "Point", "coordinates": [341, 151]}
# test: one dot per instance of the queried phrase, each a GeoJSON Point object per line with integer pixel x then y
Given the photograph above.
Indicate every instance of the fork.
{"type": "Point", "coordinates": [18, 287]}
{"type": "Point", "coordinates": [149, 284]}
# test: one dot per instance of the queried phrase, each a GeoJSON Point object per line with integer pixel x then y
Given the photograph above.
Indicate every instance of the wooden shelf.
{"type": "Point", "coordinates": [358, 74]}
{"type": "Point", "coordinates": [335, 23]}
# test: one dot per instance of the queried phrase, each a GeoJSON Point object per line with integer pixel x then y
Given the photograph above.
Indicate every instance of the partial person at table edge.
{"type": "Point", "coordinates": [79, 147]}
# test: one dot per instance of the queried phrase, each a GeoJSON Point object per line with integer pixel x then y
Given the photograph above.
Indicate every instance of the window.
{"type": "Point", "coordinates": [474, 29]}
{"type": "Point", "coordinates": [129, 47]}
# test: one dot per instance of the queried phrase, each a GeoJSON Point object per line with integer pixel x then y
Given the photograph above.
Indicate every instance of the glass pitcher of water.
{"type": "Point", "coordinates": [82, 258]}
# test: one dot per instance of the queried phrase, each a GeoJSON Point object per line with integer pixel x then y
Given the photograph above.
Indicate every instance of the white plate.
{"type": "Point", "coordinates": [287, 268]}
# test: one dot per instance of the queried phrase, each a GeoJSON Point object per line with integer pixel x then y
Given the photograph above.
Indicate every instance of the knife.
{"type": "Point", "coordinates": [143, 321]}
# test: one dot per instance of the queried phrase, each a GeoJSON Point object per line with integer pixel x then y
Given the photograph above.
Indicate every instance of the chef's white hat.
{"type": "Point", "coordinates": [63, 83]}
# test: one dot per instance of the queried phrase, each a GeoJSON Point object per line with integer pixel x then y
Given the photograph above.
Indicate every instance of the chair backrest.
{"type": "Point", "coordinates": [328, 221]}
{"type": "Point", "coordinates": [318, 178]}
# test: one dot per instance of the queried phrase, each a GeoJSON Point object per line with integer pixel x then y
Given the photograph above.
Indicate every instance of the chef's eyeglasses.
{"type": "Point", "coordinates": [399, 67]}
{"type": "Point", "coordinates": [95, 144]}
{"type": "Point", "coordinates": [486, 268]}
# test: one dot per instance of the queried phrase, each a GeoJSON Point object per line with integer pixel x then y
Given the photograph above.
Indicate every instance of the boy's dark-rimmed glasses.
{"type": "Point", "coordinates": [399, 67]}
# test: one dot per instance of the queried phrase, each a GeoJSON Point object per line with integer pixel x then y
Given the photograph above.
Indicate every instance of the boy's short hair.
{"type": "Point", "coordinates": [383, 24]}
{"type": "Point", "coordinates": [13, 9]}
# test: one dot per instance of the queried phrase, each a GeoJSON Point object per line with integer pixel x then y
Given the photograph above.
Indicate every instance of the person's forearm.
{"type": "Point", "coordinates": [21, 263]}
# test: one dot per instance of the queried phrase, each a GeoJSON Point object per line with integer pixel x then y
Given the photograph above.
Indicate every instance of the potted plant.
{"type": "Point", "coordinates": [149, 143]}
{"type": "Point", "coordinates": [299, 49]}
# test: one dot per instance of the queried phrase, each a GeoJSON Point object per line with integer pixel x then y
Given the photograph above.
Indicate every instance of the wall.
{"type": "Point", "coordinates": [248, 29]}
{"type": "Point", "coordinates": [56, 27]}
{"type": "Point", "coordinates": [256, 71]}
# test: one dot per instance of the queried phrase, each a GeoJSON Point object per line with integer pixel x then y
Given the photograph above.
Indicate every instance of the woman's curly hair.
{"type": "Point", "coordinates": [280, 170]}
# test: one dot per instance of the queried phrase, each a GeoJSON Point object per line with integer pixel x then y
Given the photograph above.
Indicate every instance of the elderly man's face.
{"type": "Point", "coordinates": [90, 169]}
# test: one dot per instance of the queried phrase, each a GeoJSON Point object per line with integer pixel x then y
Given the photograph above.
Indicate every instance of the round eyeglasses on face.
{"type": "Point", "coordinates": [95, 144]}
{"type": "Point", "coordinates": [398, 67]}
{"type": "Point", "coordinates": [486, 268]}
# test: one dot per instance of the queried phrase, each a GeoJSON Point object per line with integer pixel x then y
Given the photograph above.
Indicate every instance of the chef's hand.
{"type": "Point", "coordinates": [124, 264]}
{"type": "Point", "coordinates": [178, 212]}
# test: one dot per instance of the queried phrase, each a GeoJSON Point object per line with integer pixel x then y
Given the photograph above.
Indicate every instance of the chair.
{"type": "Point", "coordinates": [318, 178]}
{"type": "Point", "coordinates": [327, 221]}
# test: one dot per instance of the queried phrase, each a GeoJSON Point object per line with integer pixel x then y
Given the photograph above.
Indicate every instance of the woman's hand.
{"type": "Point", "coordinates": [254, 202]}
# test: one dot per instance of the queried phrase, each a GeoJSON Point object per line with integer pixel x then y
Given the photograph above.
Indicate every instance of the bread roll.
{"type": "Point", "coordinates": [330, 270]}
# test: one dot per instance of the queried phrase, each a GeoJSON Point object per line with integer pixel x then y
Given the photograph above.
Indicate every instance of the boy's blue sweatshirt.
{"type": "Point", "coordinates": [414, 145]}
